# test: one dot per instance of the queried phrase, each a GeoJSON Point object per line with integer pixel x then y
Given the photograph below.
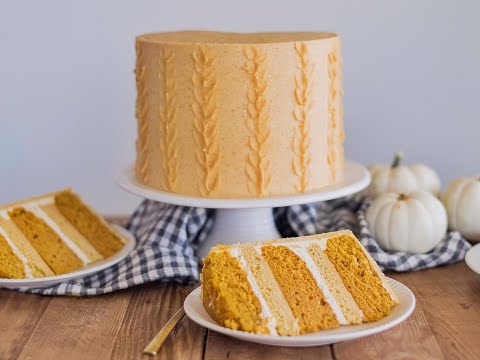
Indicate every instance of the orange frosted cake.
{"type": "Point", "coordinates": [295, 286]}
{"type": "Point", "coordinates": [52, 234]}
{"type": "Point", "coordinates": [232, 115]}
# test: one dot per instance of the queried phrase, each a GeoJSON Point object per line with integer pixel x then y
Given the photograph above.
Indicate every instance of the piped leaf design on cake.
{"type": "Point", "coordinates": [168, 115]}
{"type": "Point", "coordinates": [303, 104]}
{"type": "Point", "coordinates": [341, 129]}
{"type": "Point", "coordinates": [335, 126]}
{"type": "Point", "coordinates": [141, 114]}
{"type": "Point", "coordinates": [258, 122]}
{"type": "Point", "coordinates": [205, 119]}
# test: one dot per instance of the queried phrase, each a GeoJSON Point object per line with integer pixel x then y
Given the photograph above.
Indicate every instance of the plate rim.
{"type": "Point", "coordinates": [469, 258]}
{"type": "Point", "coordinates": [47, 281]}
{"type": "Point", "coordinates": [312, 339]}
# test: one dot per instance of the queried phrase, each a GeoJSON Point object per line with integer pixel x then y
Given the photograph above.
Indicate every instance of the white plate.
{"type": "Point", "coordinates": [85, 271]}
{"type": "Point", "coordinates": [472, 258]}
{"type": "Point", "coordinates": [195, 311]}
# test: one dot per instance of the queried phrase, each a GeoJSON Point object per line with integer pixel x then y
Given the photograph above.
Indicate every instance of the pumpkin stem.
{"type": "Point", "coordinates": [402, 197]}
{"type": "Point", "coordinates": [397, 159]}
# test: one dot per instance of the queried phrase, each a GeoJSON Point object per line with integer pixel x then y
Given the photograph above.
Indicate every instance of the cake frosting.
{"type": "Point", "coordinates": [229, 115]}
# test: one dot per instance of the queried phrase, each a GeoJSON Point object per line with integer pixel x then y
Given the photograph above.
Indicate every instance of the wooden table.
{"type": "Point", "coordinates": [444, 325]}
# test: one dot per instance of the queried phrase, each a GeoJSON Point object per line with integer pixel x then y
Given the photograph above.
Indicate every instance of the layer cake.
{"type": "Point", "coordinates": [295, 286]}
{"type": "Point", "coordinates": [230, 115]}
{"type": "Point", "coordinates": [52, 234]}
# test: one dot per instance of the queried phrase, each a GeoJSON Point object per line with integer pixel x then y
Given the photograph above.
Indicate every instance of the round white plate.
{"type": "Point", "coordinates": [195, 311]}
{"type": "Point", "coordinates": [85, 271]}
{"type": "Point", "coordinates": [472, 258]}
{"type": "Point", "coordinates": [356, 177]}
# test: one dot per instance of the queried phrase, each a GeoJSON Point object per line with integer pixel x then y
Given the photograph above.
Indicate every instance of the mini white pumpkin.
{"type": "Point", "coordinates": [462, 200]}
{"type": "Point", "coordinates": [413, 223]}
{"type": "Point", "coordinates": [402, 178]}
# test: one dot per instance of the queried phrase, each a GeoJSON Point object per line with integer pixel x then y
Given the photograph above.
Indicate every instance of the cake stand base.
{"type": "Point", "coordinates": [244, 220]}
{"type": "Point", "coordinates": [240, 225]}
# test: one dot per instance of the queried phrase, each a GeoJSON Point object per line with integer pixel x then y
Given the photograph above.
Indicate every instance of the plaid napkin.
{"type": "Point", "coordinates": [167, 236]}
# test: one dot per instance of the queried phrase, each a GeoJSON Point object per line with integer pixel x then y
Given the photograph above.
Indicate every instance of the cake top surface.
{"type": "Point", "coordinates": [34, 199]}
{"type": "Point", "coordinates": [215, 37]}
{"type": "Point", "coordinates": [294, 241]}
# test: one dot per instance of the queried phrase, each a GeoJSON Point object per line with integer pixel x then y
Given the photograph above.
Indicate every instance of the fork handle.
{"type": "Point", "coordinates": [159, 339]}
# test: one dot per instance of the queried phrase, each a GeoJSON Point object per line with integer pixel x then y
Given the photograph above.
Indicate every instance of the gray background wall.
{"type": "Point", "coordinates": [411, 79]}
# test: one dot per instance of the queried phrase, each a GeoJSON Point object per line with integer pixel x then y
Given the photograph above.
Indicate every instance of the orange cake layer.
{"type": "Point", "coordinates": [229, 115]}
{"type": "Point", "coordinates": [52, 234]}
{"type": "Point", "coordinates": [295, 286]}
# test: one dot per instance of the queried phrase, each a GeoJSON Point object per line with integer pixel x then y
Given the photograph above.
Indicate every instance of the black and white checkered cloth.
{"type": "Point", "coordinates": [167, 236]}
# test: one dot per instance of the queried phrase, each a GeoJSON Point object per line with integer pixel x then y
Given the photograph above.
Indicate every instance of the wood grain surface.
{"type": "Point", "coordinates": [444, 325]}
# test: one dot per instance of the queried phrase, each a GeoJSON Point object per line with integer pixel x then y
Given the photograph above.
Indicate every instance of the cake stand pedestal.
{"type": "Point", "coordinates": [244, 220]}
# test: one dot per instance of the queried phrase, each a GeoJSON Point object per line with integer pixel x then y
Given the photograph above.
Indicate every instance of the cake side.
{"type": "Point", "coordinates": [234, 113]}
{"type": "Point", "coordinates": [317, 282]}
{"type": "Point", "coordinates": [228, 296]}
{"type": "Point", "coordinates": [359, 276]}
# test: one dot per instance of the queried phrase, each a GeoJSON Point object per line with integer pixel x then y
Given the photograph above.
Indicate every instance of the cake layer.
{"type": "Point", "coordinates": [301, 289]}
{"type": "Point", "coordinates": [32, 263]}
{"type": "Point", "coordinates": [231, 115]}
{"type": "Point", "coordinates": [15, 266]}
{"type": "Point", "coordinates": [285, 322]}
{"type": "Point", "coordinates": [229, 295]}
{"type": "Point", "coordinates": [89, 253]}
{"type": "Point", "coordinates": [59, 257]}
{"type": "Point", "coordinates": [301, 285]}
{"type": "Point", "coordinates": [52, 234]}
{"type": "Point", "coordinates": [359, 277]}
{"type": "Point", "coordinates": [350, 310]}
{"type": "Point", "coordinates": [88, 223]}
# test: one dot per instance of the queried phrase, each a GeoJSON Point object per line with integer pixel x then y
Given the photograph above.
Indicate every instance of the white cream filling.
{"type": "Point", "coordinates": [34, 207]}
{"type": "Point", "coordinates": [23, 259]}
{"type": "Point", "coordinates": [237, 253]}
{"type": "Point", "coordinates": [322, 242]}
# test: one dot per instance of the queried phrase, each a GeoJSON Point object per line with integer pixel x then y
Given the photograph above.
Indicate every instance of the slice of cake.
{"type": "Point", "coordinates": [51, 235]}
{"type": "Point", "coordinates": [295, 286]}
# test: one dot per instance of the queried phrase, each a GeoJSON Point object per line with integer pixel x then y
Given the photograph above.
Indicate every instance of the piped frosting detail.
{"type": "Point", "coordinates": [141, 114]}
{"type": "Point", "coordinates": [205, 121]}
{"type": "Point", "coordinates": [168, 117]}
{"type": "Point", "coordinates": [333, 93]}
{"type": "Point", "coordinates": [301, 114]}
{"type": "Point", "coordinates": [258, 122]}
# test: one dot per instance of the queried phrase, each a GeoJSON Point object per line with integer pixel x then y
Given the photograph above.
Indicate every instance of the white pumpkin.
{"type": "Point", "coordinates": [462, 200]}
{"type": "Point", "coordinates": [413, 223]}
{"type": "Point", "coordinates": [402, 178]}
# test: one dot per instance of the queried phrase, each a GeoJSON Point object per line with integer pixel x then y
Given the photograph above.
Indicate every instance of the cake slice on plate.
{"type": "Point", "coordinates": [52, 234]}
{"type": "Point", "coordinates": [295, 286]}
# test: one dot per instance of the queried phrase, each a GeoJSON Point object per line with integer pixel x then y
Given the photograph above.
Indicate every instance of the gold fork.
{"type": "Point", "coordinates": [162, 335]}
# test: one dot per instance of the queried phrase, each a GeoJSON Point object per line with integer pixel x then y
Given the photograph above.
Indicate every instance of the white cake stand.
{"type": "Point", "coordinates": [243, 220]}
